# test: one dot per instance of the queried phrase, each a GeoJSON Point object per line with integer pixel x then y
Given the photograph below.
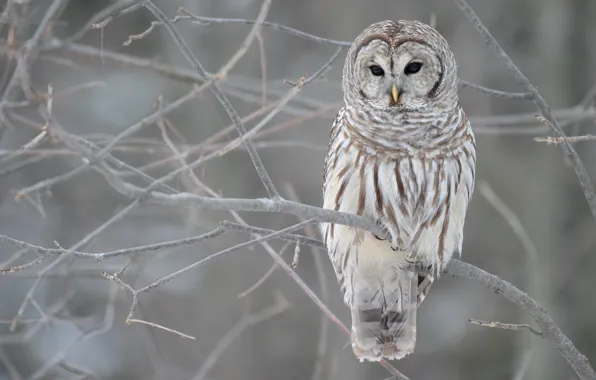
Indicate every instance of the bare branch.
{"type": "Point", "coordinates": [250, 37]}
{"type": "Point", "coordinates": [570, 153]}
{"type": "Point", "coordinates": [214, 256]}
{"type": "Point", "coordinates": [511, 219]}
{"type": "Point", "coordinates": [184, 75]}
{"type": "Point", "coordinates": [268, 274]}
{"type": "Point", "coordinates": [496, 93]}
{"type": "Point", "coordinates": [523, 365]}
{"type": "Point", "coordinates": [263, 62]}
{"type": "Point", "coordinates": [63, 257]}
{"type": "Point", "coordinates": [124, 60]}
{"type": "Point", "coordinates": [22, 267]}
{"type": "Point", "coordinates": [549, 328]}
{"type": "Point", "coordinates": [10, 368]}
{"type": "Point", "coordinates": [317, 372]}
{"type": "Point", "coordinates": [282, 264]}
{"type": "Point", "coordinates": [267, 205]}
{"type": "Point", "coordinates": [205, 21]}
{"type": "Point", "coordinates": [104, 326]}
{"type": "Point", "coordinates": [28, 55]}
{"type": "Point", "coordinates": [559, 140]}
{"type": "Point", "coordinates": [258, 164]}
{"type": "Point", "coordinates": [134, 320]}
{"type": "Point", "coordinates": [244, 323]}
{"type": "Point", "coordinates": [85, 374]}
{"type": "Point", "coordinates": [121, 252]}
{"type": "Point", "coordinates": [505, 326]}
{"type": "Point", "coordinates": [101, 19]}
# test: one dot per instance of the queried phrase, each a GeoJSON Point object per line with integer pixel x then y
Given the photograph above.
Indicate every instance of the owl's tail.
{"type": "Point", "coordinates": [384, 314]}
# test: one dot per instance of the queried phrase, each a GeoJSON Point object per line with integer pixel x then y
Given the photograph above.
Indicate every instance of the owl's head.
{"type": "Point", "coordinates": [400, 66]}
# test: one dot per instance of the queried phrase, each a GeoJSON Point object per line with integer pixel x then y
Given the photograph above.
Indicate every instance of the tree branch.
{"type": "Point", "coordinates": [215, 89]}
{"type": "Point", "coordinates": [505, 326]}
{"type": "Point", "coordinates": [522, 80]}
{"type": "Point", "coordinates": [28, 54]}
{"type": "Point", "coordinates": [549, 328]}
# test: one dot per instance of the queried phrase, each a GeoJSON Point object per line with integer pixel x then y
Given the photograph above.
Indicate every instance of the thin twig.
{"type": "Point", "coordinates": [221, 253]}
{"type": "Point", "coordinates": [120, 252]}
{"type": "Point", "coordinates": [242, 139]}
{"type": "Point", "coordinates": [106, 15]}
{"type": "Point", "coordinates": [19, 268]}
{"type": "Point", "coordinates": [523, 365]}
{"type": "Point", "coordinates": [134, 320]}
{"type": "Point", "coordinates": [64, 256]}
{"type": "Point", "coordinates": [10, 367]}
{"type": "Point", "coordinates": [103, 327]}
{"type": "Point", "coordinates": [505, 326]}
{"type": "Point", "coordinates": [585, 103]}
{"type": "Point", "coordinates": [263, 62]}
{"type": "Point", "coordinates": [495, 93]}
{"type": "Point", "coordinates": [260, 231]}
{"type": "Point", "coordinates": [205, 21]}
{"type": "Point", "coordinates": [332, 317]}
{"type": "Point", "coordinates": [237, 217]}
{"type": "Point", "coordinates": [28, 55]}
{"type": "Point", "coordinates": [320, 362]}
{"type": "Point", "coordinates": [84, 373]}
{"type": "Point", "coordinates": [264, 278]}
{"type": "Point", "coordinates": [535, 282]}
{"type": "Point", "coordinates": [258, 164]}
{"type": "Point", "coordinates": [511, 219]}
{"type": "Point", "coordinates": [559, 140]}
{"type": "Point", "coordinates": [187, 76]}
{"type": "Point", "coordinates": [244, 323]}
{"type": "Point", "coordinates": [296, 258]}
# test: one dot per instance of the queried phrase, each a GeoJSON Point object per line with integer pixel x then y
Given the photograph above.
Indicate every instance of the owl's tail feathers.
{"type": "Point", "coordinates": [384, 316]}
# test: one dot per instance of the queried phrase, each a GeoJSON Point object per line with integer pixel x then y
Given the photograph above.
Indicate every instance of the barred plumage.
{"type": "Point", "coordinates": [408, 163]}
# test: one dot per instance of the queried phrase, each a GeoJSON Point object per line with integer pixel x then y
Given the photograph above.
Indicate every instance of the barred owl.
{"type": "Point", "coordinates": [402, 154]}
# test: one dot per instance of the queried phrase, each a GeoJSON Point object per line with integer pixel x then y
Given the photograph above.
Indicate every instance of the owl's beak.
{"type": "Point", "coordinates": [394, 93]}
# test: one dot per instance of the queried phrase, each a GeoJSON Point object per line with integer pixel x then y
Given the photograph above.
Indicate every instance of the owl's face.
{"type": "Point", "coordinates": [404, 65]}
{"type": "Point", "coordinates": [404, 76]}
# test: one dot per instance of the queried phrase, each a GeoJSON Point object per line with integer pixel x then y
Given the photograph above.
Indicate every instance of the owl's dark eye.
{"type": "Point", "coordinates": [412, 68]}
{"type": "Point", "coordinates": [377, 70]}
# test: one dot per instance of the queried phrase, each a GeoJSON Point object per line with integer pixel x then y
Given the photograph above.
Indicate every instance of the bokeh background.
{"type": "Point", "coordinates": [83, 333]}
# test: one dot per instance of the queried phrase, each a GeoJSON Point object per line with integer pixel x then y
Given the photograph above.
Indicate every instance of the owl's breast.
{"type": "Point", "coordinates": [420, 201]}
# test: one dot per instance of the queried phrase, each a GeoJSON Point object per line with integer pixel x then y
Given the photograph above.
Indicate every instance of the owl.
{"type": "Point", "coordinates": [401, 153]}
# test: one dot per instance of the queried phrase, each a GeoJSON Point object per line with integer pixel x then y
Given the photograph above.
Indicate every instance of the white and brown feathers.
{"type": "Point", "coordinates": [403, 154]}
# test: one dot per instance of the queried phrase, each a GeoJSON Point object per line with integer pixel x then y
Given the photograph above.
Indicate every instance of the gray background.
{"type": "Point", "coordinates": [550, 40]}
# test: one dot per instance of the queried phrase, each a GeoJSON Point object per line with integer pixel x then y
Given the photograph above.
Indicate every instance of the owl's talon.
{"type": "Point", "coordinates": [379, 238]}
{"type": "Point", "coordinates": [397, 246]}
{"type": "Point", "coordinates": [420, 267]}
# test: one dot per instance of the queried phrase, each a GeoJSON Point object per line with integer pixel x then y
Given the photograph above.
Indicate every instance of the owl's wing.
{"type": "Point", "coordinates": [331, 155]}
{"type": "Point", "coordinates": [424, 284]}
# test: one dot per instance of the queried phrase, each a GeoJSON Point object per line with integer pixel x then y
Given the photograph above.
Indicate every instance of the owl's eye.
{"type": "Point", "coordinates": [377, 70]}
{"type": "Point", "coordinates": [412, 68]}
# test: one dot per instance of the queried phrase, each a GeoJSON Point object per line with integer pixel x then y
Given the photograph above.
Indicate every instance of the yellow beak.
{"type": "Point", "coordinates": [394, 93]}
